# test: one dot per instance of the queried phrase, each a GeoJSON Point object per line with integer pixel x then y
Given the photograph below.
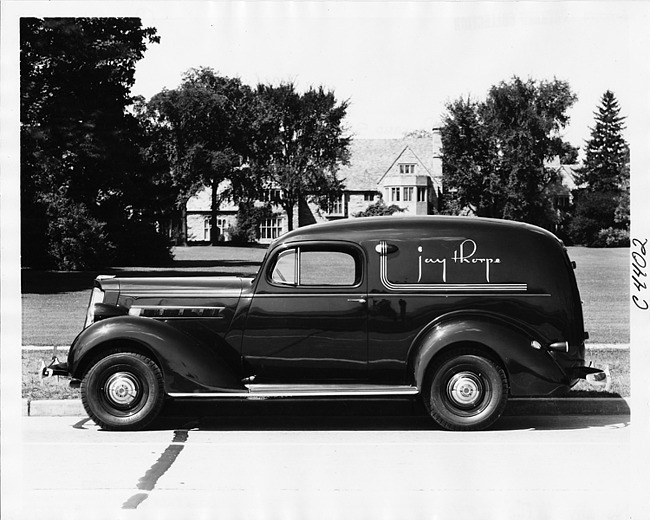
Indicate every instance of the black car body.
{"type": "Point", "coordinates": [461, 312]}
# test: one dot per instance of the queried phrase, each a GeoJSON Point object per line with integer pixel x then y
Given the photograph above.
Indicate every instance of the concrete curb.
{"type": "Point", "coordinates": [569, 406]}
{"type": "Point", "coordinates": [516, 407]}
{"type": "Point", "coordinates": [53, 407]}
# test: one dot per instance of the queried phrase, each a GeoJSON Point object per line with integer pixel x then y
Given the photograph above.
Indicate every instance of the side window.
{"type": "Point", "coordinates": [312, 266]}
{"type": "Point", "coordinates": [284, 271]}
{"type": "Point", "coordinates": [327, 268]}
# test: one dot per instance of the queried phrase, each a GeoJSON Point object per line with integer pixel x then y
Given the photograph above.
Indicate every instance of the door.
{"type": "Point", "coordinates": [307, 321]}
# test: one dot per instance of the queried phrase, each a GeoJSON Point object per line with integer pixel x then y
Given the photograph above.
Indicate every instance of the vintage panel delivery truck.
{"type": "Point", "coordinates": [459, 312]}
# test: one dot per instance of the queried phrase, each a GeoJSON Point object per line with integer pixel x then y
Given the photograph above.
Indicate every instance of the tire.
{"type": "Point", "coordinates": [123, 391]}
{"type": "Point", "coordinates": [465, 391]}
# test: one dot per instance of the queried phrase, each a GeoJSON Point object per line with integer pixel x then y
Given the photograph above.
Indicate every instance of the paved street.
{"type": "Point", "coordinates": [325, 467]}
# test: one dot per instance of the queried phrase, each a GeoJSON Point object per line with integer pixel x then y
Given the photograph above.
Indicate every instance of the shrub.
{"type": "Point", "coordinates": [612, 237]}
{"type": "Point", "coordinates": [76, 241]}
{"type": "Point", "coordinates": [379, 209]}
{"type": "Point", "coordinates": [593, 212]}
{"type": "Point", "coordinates": [137, 243]}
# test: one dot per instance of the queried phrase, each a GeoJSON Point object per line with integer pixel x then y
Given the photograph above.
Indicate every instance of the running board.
{"type": "Point", "coordinates": [270, 391]}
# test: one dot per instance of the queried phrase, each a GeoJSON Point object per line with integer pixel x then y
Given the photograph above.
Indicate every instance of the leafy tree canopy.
{"type": "Point", "coordinates": [76, 76]}
{"type": "Point", "coordinates": [496, 152]}
{"type": "Point", "coordinates": [307, 145]}
{"type": "Point", "coordinates": [79, 142]}
{"type": "Point", "coordinates": [210, 129]}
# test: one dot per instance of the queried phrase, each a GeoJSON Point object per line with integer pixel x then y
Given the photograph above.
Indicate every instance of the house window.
{"type": "Point", "coordinates": [407, 168]}
{"type": "Point", "coordinates": [562, 201]}
{"type": "Point", "coordinates": [221, 226]}
{"type": "Point", "coordinates": [422, 194]}
{"type": "Point", "coordinates": [408, 194]}
{"type": "Point", "coordinates": [271, 195]}
{"type": "Point", "coordinates": [368, 197]}
{"type": "Point", "coordinates": [394, 194]}
{"type": "Point", "coordinates": [335, 206]}
{"type": "Point", "coordinates": [206, 229]}
{"type": "Point", "coordinates": [271, 228]}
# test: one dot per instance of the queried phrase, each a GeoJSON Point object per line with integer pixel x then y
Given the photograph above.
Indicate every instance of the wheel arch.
{"type": "Point", "coordinates": [187, 365]}
{"type": "Point", "coordinates": [493, 338]}
{"type": "Point", "coordinates": [529, 371]}
{"type": "Point", "coordinates": [106, 348]}
{"type": "Point", "coordinates": [462, 346]}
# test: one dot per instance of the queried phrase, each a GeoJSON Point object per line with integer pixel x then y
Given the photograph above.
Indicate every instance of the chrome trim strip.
{"type": "Point", "coordinates": [447, 295]}
{"type": "Point", "coordinates": [185, 293]}
{"type": "Point", "coordinates": [461, 287]}
{"type": "Point", "coordinates": [309, 295]}
{"type": "Point", "coordinates": [138, 310]}
{"type": "Point", "coordinates": [207, 395]}
{"type": "Point", "coordinates": [314, 390]}
{"type": "Point", "coordinates": [265, 390]}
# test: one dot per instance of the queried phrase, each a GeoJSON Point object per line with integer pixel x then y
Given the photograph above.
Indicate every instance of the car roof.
{"type": "Point", "coordinates": [364, 228]}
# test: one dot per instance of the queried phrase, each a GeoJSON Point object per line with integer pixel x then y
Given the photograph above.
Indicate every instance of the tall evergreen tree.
{"type": "Point", "coordinates": [607, 153]}
{"type": "Point", "coordinates": [602, 201]}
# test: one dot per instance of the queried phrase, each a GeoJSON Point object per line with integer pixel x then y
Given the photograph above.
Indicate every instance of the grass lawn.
{"type": "Point", "coordinates": [54, 305]}
{"type": "Point", "coordinates": [604, 282]}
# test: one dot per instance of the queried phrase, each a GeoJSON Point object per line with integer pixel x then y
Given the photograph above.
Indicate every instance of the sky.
{"type": "Point", "coordinates": [398, 64]}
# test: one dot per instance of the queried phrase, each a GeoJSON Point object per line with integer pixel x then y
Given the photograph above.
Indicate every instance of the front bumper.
{"type": "Point", "coordinates": [55, 368]}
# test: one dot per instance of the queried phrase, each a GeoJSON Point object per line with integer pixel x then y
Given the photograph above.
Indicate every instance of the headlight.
{"type": "Point", "coordinates": [97, 296]}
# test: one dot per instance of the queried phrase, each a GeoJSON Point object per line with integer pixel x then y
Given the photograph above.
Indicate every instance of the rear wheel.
{"type": "Point", "coordinates": [465, 391]}
{"type": "Point", "coordinates": [123, 391]}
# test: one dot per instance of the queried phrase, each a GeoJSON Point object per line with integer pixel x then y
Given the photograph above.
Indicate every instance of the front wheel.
{"type": "Point", "coordinates": [465, 391]}
{"type": "Point", "coordinates": [123, 391]}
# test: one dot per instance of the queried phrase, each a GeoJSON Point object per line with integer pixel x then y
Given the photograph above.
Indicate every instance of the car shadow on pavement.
{"type": "Point", "coordinates": [347, 415]}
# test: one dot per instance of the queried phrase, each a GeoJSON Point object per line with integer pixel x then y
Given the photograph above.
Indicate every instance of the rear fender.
{"type": "Point", "coordinates": [529, 371]}
{"type": "Point", "coordinates": [187, 365]}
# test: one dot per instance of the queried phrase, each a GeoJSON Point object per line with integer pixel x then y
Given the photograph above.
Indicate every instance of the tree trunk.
{"type": "Point", "coordinates": [183, 238]}
{"type": "Point", "coordinates": [288, 208]}
{"type": "Point", "coordinates": [214, 207]}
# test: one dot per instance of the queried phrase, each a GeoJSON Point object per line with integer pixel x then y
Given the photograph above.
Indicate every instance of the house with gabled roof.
{"type": "Point", "coordinates": [405, 172]}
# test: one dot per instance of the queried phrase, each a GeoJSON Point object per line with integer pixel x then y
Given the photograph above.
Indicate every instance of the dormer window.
{"type": "Point", "coordinates": [407, 168]}
{"type": "Point", "coordinates": [271, 195]}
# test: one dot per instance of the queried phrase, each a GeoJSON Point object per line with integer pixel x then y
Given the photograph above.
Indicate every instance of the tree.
{"type": "Point", "coordinates": [496, 153]}
{"type": "Point", "coordinates": [306, 147]}
{"type": "Point", "coordinates": [606, 165]}
{"type": "Point", "coordinates": [602, 200]}
{"type": "Point", "coordinates": [203, 127]}
{"type": "Point", "coordinates": [79, 151]}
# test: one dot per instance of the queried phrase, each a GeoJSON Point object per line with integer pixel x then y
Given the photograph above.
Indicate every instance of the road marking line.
{"type": "Point", "coordinates": [148, 481]}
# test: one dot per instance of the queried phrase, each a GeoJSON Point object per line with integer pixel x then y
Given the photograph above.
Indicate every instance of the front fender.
{"type": "Point", "coordinates": [529, 371]}
{"type": "Point", "coordinates": [187, 364]}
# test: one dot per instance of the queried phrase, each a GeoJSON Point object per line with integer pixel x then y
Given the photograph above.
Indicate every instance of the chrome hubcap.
{"type": "Point", "coordinates": [465, 389]}
{"type": "Point", "coordinates": [122, 388]}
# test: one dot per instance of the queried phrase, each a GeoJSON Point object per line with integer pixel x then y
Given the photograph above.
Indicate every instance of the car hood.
{"type": "Point", "coordinates": [180, 287]}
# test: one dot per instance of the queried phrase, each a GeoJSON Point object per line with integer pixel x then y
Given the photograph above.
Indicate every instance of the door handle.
{"type": "Point", "coordinates": [357, 300]}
